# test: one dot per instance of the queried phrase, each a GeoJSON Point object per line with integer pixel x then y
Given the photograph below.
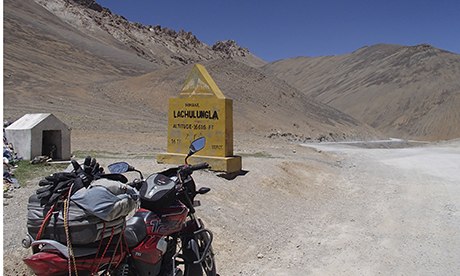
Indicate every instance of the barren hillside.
{"type": "Point", "coordinates": [261, 104]}
{"type": "Point", "coordinates": [403, 91]}
{"type": "Point", "coordinates": [81, 62]}
{"type": "Point", "coordinates": [47, 61]}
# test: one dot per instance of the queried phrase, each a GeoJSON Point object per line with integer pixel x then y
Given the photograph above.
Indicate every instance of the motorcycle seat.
{"type": "Point", "coordinates": [135, 231]}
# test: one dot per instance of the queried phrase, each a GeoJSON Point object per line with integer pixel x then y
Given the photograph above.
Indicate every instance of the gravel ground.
{"type": "Point", "coordinates": [320, 210]}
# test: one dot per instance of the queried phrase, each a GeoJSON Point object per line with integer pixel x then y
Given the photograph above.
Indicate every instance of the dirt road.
{"type": "Point", "coordinates": [342, 210]}
{"type": "Point", "coordinates": [325, 209]}
{"type": "Point", "coordinates": [398, 213]}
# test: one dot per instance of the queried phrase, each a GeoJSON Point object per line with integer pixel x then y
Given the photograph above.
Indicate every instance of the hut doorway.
{"type": "Point", "coordinates": [52, 144]}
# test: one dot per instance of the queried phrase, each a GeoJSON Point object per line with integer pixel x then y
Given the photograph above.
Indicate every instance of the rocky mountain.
{"type": "Point", "coordinates": [404, 91]}
{"type": "Point", "coordinates": [102, 74]}
{"type": "Point", "coordinates": [157, 44]}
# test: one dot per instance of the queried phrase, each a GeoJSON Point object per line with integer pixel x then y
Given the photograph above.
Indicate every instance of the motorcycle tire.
{"type": "Point", "coordinates": [207, 267]}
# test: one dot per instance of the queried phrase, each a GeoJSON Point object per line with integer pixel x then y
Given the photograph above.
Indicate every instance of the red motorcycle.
{"type": "Point", "coordinates": [163, 237]}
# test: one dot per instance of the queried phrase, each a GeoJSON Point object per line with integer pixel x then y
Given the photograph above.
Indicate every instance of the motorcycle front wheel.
{"type": "Point", "coordinates": [208, 266]}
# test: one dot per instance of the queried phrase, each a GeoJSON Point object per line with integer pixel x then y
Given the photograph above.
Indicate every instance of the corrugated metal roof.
{"type": "Point", "coordinates": [28, 121]}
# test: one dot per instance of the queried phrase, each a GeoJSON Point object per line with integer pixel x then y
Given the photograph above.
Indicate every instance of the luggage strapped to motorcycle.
{"type": "Point", "coordinates": [112, 235]}
{"type": "Point", "coordinates": [71, 259]}
{"type": "Point", "coordinates": [66, 229]}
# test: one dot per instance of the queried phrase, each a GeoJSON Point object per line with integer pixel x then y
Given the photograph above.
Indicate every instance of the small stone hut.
{"type": "Point", "coordinates": [40, 134]}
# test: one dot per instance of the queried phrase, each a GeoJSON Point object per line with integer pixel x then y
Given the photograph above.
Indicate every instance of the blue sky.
{"type": "Point", "coordinates": [279, 29]}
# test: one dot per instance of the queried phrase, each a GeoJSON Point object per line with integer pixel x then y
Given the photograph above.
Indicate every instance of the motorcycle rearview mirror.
{"type": "Point", "coordinates": [196, 146]}
{"type": "Point", "coordinates": [120, 167]}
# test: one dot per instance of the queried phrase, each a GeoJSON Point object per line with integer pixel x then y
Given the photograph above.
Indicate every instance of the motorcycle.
{"type": "Point", "coordinates": [164, 236]}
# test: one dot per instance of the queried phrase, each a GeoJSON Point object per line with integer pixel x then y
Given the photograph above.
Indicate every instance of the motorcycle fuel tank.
{"type": "Point", "coordinates": [148, 254]}
{"type": "Point", "coordinates": [165, 221]}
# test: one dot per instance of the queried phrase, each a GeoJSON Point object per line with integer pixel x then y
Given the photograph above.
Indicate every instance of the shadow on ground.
{"type": "Point", "coordinates": [231, 176]}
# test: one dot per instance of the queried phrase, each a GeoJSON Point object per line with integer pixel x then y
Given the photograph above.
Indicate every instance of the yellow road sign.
{"type": "Point", "coordinates": [201, 110]}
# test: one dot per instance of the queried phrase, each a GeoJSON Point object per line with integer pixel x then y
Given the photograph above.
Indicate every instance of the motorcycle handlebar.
{"type": "Point", "coordinates": [189, 169]}
{"type": "Point", "coordinates": [136, 183]}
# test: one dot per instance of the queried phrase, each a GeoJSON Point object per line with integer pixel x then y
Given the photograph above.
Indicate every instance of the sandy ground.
{"type": "Point", "coordinates": [399, 214]}
{"type": "Point", "coordinates": [324, 209]}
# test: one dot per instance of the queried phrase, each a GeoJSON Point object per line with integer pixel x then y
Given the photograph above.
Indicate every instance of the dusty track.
{"type": "Point", "coordinates": [327, 210]}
